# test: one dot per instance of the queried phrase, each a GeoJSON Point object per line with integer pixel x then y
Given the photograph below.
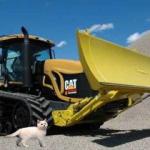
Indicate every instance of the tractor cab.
{"type": "Point", "coordinates": [18, 56]}
{"type": "Point", "coordinates": [27, 64]}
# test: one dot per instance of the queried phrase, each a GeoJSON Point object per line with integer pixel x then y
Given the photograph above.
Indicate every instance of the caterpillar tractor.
{"type": "Point", "coordinates": [106, 81]}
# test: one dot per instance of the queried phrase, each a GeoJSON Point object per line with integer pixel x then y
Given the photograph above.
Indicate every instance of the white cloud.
{"type": "Point", "coordinates": [101, 27]}
{"type": "Point", "coordinates": [61, 44]}
{"type": "Point", "coordinates": [135, 36]}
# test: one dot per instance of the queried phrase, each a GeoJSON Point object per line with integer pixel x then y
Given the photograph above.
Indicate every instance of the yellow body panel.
{"type": "Point", "coordinates": [58, 67]}
{"type": "Point", "coordinates": [109, 66]}
{"type": "Point", "coordinates": [64, 66]}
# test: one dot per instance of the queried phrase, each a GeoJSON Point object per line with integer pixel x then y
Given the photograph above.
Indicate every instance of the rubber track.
{"type": "Point", "coordinates": [39, 106]}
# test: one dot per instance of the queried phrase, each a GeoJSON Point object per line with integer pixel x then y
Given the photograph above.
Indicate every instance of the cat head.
{"type": "Point", "coordinates": [42, 124]}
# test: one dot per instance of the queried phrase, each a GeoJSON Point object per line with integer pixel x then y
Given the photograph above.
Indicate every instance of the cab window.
{"type": "Point", "coordinates": [14, 65]}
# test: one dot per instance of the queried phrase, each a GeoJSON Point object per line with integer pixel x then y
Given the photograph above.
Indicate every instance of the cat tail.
{"type": "Point", "coordinates": [13, 134]}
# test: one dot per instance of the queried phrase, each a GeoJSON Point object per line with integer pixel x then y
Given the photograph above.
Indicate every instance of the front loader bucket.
{"type": "Point", "coordinates": [109, 66]}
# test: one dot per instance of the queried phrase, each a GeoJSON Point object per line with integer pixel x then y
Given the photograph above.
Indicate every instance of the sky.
{"type": "Point", "coordinates": [119, 21]}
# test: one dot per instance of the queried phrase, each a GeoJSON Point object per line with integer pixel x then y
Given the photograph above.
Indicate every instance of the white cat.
{"type": "Point", "coordinates": [25, 134]}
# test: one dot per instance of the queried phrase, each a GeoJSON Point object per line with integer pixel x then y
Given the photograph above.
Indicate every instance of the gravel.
{"type": "Point", "coordinates": [130, 130]}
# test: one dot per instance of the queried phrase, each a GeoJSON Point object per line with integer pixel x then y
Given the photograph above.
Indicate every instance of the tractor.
{"type": "Point", "coordinates": [34, 84]}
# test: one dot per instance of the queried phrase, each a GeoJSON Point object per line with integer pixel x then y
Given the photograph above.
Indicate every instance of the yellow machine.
{"type": "Point", "coordinates": [108, 80]}
{"type": "Point", "coordinates": [117, 73]}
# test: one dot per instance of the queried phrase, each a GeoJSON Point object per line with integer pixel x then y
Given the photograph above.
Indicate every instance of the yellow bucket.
{"type": "Point", "coordinates": [110, 66]}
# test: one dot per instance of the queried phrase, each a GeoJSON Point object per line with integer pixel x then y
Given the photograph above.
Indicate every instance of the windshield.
{"type": "Point", "coordinates": [42, 55]}
{"type": "Point", "coordinates": [13, 52]}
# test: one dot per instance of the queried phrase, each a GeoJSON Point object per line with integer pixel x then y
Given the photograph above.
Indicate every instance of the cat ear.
{"type": "Point", "coordinates": [45, 119]}
{"type": "Point", "coordinates": [38, 121]}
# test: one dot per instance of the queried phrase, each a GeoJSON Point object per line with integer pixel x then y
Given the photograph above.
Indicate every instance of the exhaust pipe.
{"type": "Point", "coordinates": [26, 53]}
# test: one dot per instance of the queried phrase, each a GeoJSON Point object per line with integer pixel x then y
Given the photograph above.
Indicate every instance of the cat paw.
{"type": "Point", "coordinates": [25, 145]}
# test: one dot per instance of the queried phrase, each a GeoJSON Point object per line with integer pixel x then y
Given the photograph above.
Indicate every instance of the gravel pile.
{"type": "Point", "coordinates": [142, 44]}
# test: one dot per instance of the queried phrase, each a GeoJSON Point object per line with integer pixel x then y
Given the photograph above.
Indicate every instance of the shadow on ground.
{"type": "Point", "coordinates": [106, 137]}
{"type": "Point", "coordinates": [124, 137]}
{"type": "Point", "coordinates": [79, 131]}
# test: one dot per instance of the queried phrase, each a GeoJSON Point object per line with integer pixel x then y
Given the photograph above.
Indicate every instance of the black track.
{"type": "Point", "coordinates": [29, 108]}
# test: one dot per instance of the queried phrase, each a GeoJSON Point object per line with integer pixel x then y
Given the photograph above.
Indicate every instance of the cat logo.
{"type": "Point", "coordinates": [70, 86]}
